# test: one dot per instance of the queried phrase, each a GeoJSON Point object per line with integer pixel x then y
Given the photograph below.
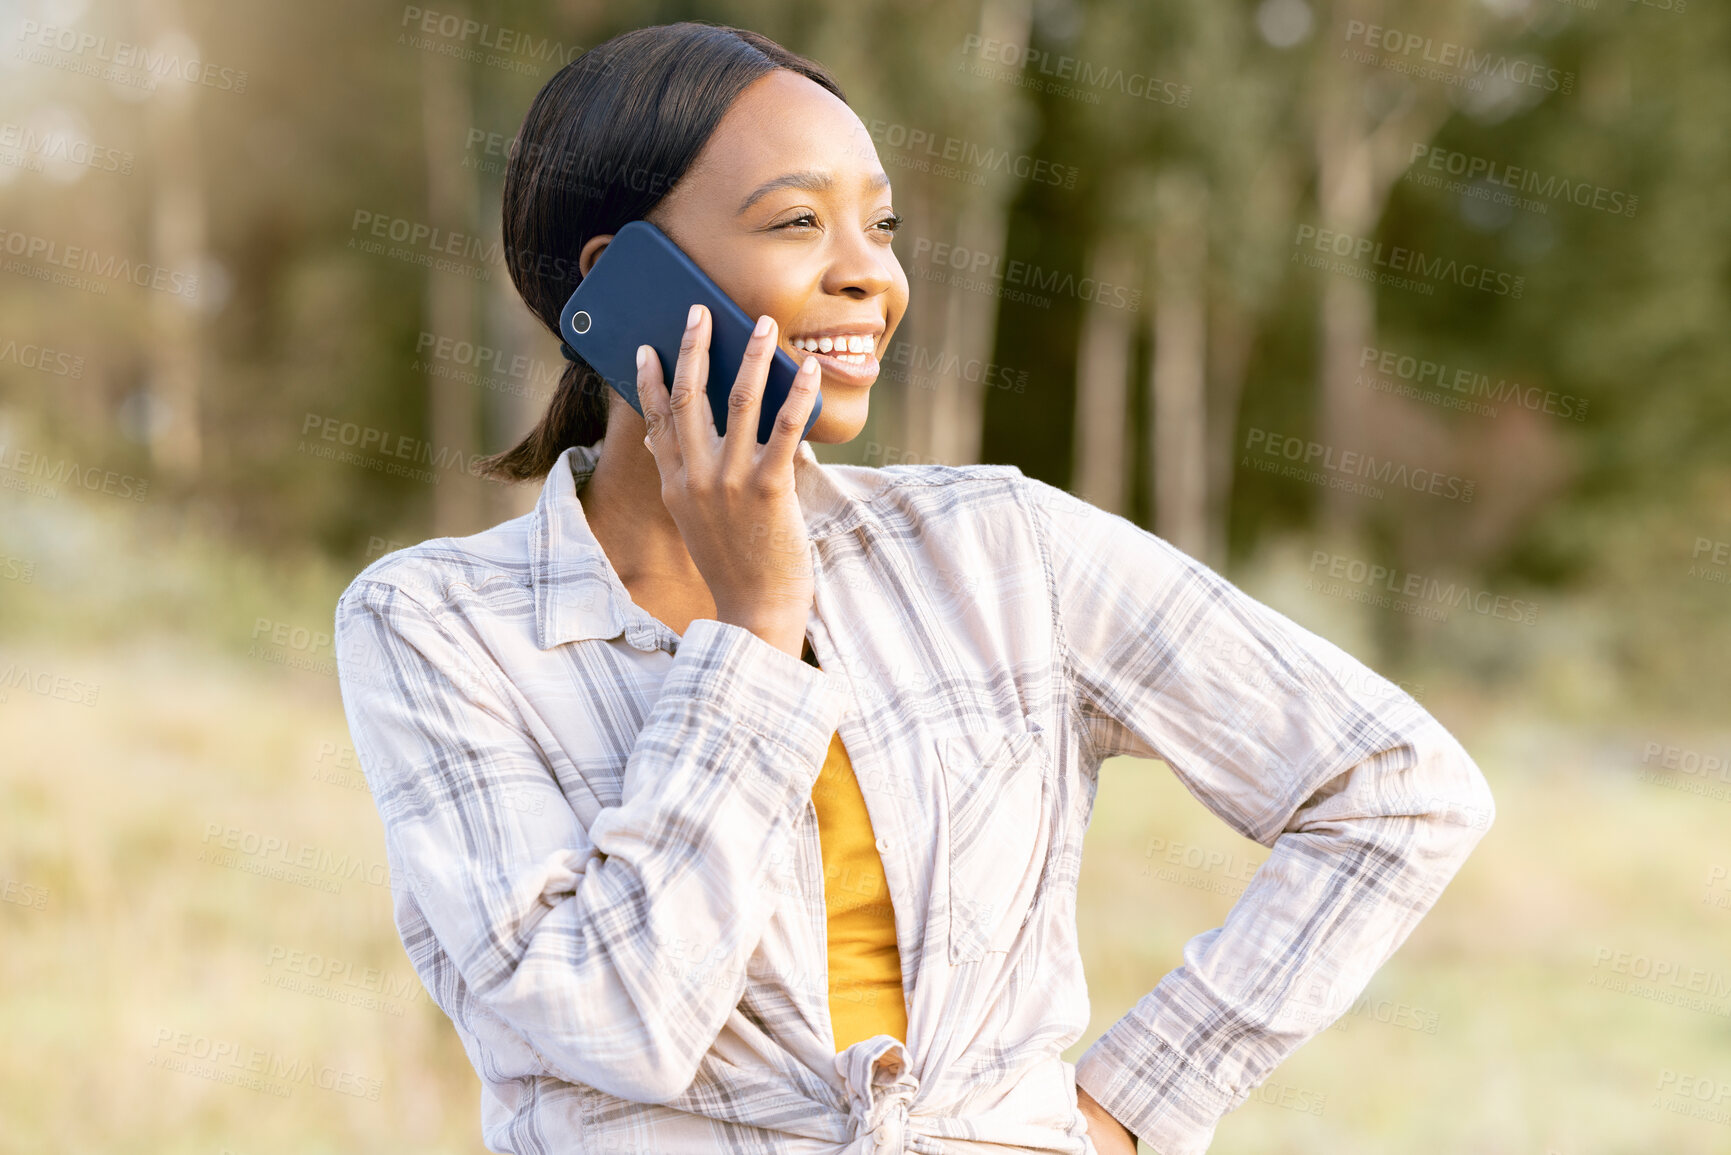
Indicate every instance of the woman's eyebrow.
{"type": "Point", "coordinates": [810, 181]}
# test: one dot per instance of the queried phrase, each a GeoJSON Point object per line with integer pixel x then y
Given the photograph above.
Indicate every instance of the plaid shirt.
{"type": "Point", "coordinates": [606, 866]}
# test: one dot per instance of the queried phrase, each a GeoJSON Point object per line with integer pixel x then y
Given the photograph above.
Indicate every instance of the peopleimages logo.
{"type": "Point", "coordinates": [1072, 76]}
{"type": "Point", "coordinates": [253, 1068]}
{"type": "Point", "coordinates": [46, 684]}
{"type": "Point", "coordinates": [54, 254]}
{"type": "Point", "coordinates": [60, 146]}
{"type": "Point", "coordinates": [371, 444]}
{"type": "Point", "coordinates": [465, 39]}
{"type": "Point", "coordinates": [41, 358]}
{"type": "Point", "coordinates": [284, 858]}
{"type": "Point", "coordinates": [37, 474]}
{"type": "Point", "coordinates": [927, 150]}
{"type": "Point", "coordinates": [1662, 980]}
{"type": "Point", "coordinates": [1390, 587]}
{"type": "Point", "coordinates": [487, 366]}
{"type": "Point", "coordinates": [429, 246]}
{"type": "Point", "coordinates": [95, 51]}
{"type": "Point", "coordinates": [925, 367]}
{"type": "Point", "coordinates": [1408, 262]}
{"type": "Point", "coordinates": [1459, 59]}
{"type": "Point", "coordinates": [1350, 466]}
{"type": "Point", "coordinates": [1475, 387]}
{"type": "Point", "coordinates": [979, 268]}
{"type": "Point", "coordinates": [339, 980]}
{"type": "Point", "coordinates": [1471, 168]}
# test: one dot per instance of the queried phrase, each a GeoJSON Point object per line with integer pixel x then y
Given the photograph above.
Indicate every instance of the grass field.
{"type": "Point", "coordinates": [160, 995]}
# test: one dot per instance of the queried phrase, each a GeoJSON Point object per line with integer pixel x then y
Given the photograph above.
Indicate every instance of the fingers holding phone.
{"type": "Point", "coordinates": [641, 290]}
{"type": "Point", "coordinates": [790, 419]}
{"type": "Point", "coordinates": [774, 458]}
{"type": "Point", "coordinates": [745, 399]}
{"type": "Point", "coordinates": [734, 503]}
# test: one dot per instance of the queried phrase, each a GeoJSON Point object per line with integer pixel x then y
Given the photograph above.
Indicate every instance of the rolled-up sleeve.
{"type": "Point", "coordinates": [615, 952]}
{"type": "Point", "coordinates": [1368, 805]}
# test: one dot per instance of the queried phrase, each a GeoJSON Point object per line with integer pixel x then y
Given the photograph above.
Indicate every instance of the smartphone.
{"type": "Point", "coordinates": [639, 292]}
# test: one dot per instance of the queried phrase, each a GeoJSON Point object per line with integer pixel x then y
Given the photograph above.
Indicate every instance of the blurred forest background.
{"type": "Point", "coordinates": [1410, 318]}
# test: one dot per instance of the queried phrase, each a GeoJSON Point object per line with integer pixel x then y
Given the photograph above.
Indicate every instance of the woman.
{"type": "Point", "coordinates": [680, 890]}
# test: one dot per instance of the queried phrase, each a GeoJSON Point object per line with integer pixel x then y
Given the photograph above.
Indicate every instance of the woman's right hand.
{"type": "Point", "coordinates": [732, 499]}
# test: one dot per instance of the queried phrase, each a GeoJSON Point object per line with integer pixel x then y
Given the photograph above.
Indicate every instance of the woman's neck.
{"type": "Point", "coordinates": [622, 503]}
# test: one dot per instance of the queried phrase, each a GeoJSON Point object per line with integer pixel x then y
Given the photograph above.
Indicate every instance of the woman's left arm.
{"type": "Point", "coordinates": [1368, 805]}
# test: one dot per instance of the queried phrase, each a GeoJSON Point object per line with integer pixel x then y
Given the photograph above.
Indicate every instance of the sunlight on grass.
{"type": "Point", "coordinates": [197, 919]}
{"type": "Point", "coordinates": [1484, 1032]}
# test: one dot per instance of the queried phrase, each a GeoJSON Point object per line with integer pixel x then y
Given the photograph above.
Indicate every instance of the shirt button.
{"type": "Point", "coordinates": [883, 845]}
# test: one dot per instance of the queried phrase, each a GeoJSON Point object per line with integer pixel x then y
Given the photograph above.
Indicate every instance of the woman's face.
{"type": "Point", "coordinates": [788, 210]}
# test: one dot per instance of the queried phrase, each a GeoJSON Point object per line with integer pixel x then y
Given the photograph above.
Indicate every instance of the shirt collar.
{"type": "Point", "coordinates": [577, 593]}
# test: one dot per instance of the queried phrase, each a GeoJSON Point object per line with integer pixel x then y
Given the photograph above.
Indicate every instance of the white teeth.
{"type": "Point", "coordinates": [852, 349]}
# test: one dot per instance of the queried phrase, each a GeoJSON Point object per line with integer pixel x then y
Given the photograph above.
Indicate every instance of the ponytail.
{"type": "Point", "coordinates": [577, 415]}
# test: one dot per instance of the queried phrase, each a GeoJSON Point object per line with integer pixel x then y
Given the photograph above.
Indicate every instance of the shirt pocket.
{"type": "Point", "coordinates": [995, 792]}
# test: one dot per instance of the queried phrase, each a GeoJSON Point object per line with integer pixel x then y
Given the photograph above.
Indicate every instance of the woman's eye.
{"type": "Point", "coordinates": [891, 223]}
{"type": "Point", "coordinates": [803, 217]}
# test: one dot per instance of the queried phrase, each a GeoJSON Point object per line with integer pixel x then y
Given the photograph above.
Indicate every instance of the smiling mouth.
{"type": "Point", "coordinates": [857, 349]}
{"type": "Point", "coordinates": [838, 367]}
{"type": "Point", "coordinates": [859, 359]}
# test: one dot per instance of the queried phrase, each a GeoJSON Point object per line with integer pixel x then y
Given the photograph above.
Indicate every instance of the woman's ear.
{"type": "Point", "coordinates": [591, 252]}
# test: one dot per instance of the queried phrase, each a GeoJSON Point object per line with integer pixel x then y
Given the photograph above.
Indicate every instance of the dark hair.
{"type": "Point", "coordinates": [603, 141]}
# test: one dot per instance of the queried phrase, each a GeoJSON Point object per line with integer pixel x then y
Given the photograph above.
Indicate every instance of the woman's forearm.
{"type": "Point", "coordinates": [1110, 1136]}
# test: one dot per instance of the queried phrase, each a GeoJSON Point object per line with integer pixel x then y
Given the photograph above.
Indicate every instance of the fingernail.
{"type": "Point", "coordinates": [762, 329]}
{"type": "Point", "coordinates": [642, 356]}
{"type": "Point", "coordinates": [691, 318]}
{"type": "Point", "coordinates": [810, 365]}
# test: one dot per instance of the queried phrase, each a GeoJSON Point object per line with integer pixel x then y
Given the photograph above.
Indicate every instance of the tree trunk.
{"type": "Point", "coordinates": [1357, 163]}
{"type": "Point", "coordinates": [1231, 328]}
{"type": "Point", "coordinates": [1250, 276]}
{"type": "Point", "coordinates": [513, 405]}
{"type": "Point", "coordinates": [957, 414]}
{"type": "Point", "coordinates": [174, 356]}
{"type": "Point", "coordinates": [1180, 361]}
{"type": "Point", "coordinates": [902, 425]}
{"type": "Point", "coordinates": [1103, 387]}
{"type": "Point", "coordinates": [1347, 321]}
{"type": "Point", "coordinates": [447, 113]}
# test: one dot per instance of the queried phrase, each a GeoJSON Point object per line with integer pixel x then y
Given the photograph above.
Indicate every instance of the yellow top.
{"type": "Point", "coordinates": [865, 965]}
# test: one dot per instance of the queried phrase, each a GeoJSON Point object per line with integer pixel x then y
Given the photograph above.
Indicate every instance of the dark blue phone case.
{"type": "Point", "coordinates": [639, 292]}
